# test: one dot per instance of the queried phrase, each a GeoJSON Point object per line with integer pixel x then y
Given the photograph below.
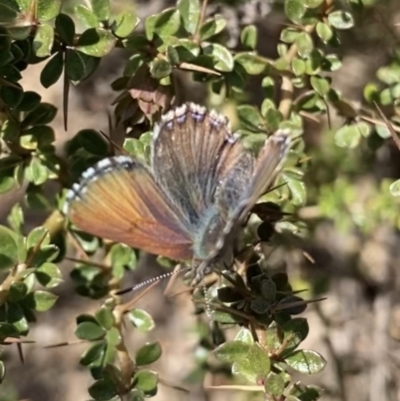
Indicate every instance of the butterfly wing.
{"type": "Point", "coordinates": [188, 148]}
{"type": "Point", "coordinates": [118, 199]}
{"type": "Point", "coordinates": [243, 185]}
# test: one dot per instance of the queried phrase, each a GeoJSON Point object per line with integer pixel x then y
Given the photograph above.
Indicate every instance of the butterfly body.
{"type": "Point", "coordinates": [190, 202]}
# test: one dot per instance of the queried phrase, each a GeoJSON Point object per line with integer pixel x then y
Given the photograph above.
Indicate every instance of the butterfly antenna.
{"type": "Point", "coordinates": [151, 281]}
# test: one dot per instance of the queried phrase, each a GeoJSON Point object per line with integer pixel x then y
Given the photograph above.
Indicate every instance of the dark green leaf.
{"type": "Point", "coordinates": [212, 27]}
{"type": "Point", "coordinates": [92, 354]}
{"type": "Point", "coordinates": [167, 22]}
{"type": "Point", "coordinates": [6, 184]}
{"type": "Point", "coordinates": [223, 60]}
{"type": "Point", "coordinates": [8, 11]}
{"type": "Point", "coordinates": [29, 101]}
{"type": "Point", "coordinates": [52, 70]}
{"type": "Point", "coordinates": [11, 96]}
{"type": "Point", "coordinates": [43, 114]}
{"type": "Point", "coordinates": [74, 65]}
{"type": "Point", "coordinates": [149, 353]}
{"type": "Point", "coordinates": [103, 390]}
{"type": "Point", "coordinates": [6, 57]}
{"type": "Point", "coordinates": [49, 275]}
{"type": "Point", "coordinates": [250, 117]}
{"type": "Point", "coordinates": [90, 331]}
{"type": "Point", "coordinates": [105, 317]}
{"type": "Point", "coordinates": [16, 316]}
{"type": "Point", "coordinates": [8, 247]}
{"type": "Point", "coordinates": [65, 27]}
{"type": "Point", "coordinates": [17, 292]}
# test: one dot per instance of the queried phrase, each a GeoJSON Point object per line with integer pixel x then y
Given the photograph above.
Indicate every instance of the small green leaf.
{"type": "Point", "coordinates": [251, 62]}
{"type": "Point", "coordinates": [16, 316]}
{"type": "Point", "coordinates": [212, 27]}
{"type": "Point", "coordinates": [65, 27]}
{"type": "Point", "coordinates": [52, 71]}
{"type": "Point", "coordinates": [341, 19]}
{"type": "Point", "coordinates": [306, 361]}
{"type": "Point", "coordinates": [103, 390]}
{"type": "Point", "coordinates": [49, 275]}
{"type": "Point", "coordinates": [320, 85]}
{"type": "Point", "coordinates": [289, 35]}
{"type": "Point", "coordinates": [105, 317]}
{"type": "Point", "coordinates": [347, 136]}
{"type": "Point", "coordinates": [259, 360]}
{"type": "Point", "coordinates": [274, 385]}
{"type": "Point", "coordinates": [146, 380]}
{"type": "Point", "coordinates": [167, 22]}
{"type": "Point", "coordinates": [244, 335]}
{"type": "Point", "coordinates": [47, 10]}
{"type": "Point", "coordinates": [245, 369]}
{"type": "Point", "coordinates": [248, 36]}
{"type": "Point", "coordinates": [17, 292]}
{"type": "Point", "coordinates": [36, 172]}
{"type": "Point", "coordinates": [394, 188]}
{"type": "Point", "coordinates": [96, 42]}
{"type": "Point", "coordinates": [90, 331]}
{"type": "Point", "coordinates": [294, 10]}
{"type": "Point", "coordinates": [304, 44]}
{"type": "Point", "coordinates": [383, 131]}
{"type": "Point", "coordinates": [125, 23]}
{"type": "Point", "coordinates": [8, 248]}
{"type": "Point", "coordinates": [160, 68]}
{"type": "Point", "coordinates": [223, 60]}
{"type": "Point", "coordinates": [101, 9]}
{"type": "Point", "coordinates": [232, 351]}
{"type": "Point", "coordinates": [43, 114]}
{"type": "Point", "coordinates": [298, 66]}
{"type": "Point", "coordinates": [92, 354]}
{"type": "Point", "coordinates": [43, 40]}
{"type": "Point", "coordinates": [250, 117]}
{"type": "Point", "coordinates": [86, 16]}
{"type": "Point", "coordinates": [149, 353]}
{"type": "Point", "coordinates": [297, 188]}
{"type": "Point", "coordinates": [6, 184]}
{"type": "Point", "coordinates": [41, 301]}
{"type": "Point", "coordinates": [190, 14]}
{"type": "Point", "coordinates": [141, 319]}
{"type": "Point", "coordinates": [38, 235]}
{"type": "Point", "coordinates": [324, 31]}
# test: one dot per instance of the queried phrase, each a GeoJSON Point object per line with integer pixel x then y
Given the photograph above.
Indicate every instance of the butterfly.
{"type": "Point", "coordinates": [190, 201]}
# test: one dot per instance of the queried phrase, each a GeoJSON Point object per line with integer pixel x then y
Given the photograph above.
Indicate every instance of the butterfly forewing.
{"type": "Point", "coordinates": [189, 147]}
{"type": "Point", "coordinates": [119, 200]}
